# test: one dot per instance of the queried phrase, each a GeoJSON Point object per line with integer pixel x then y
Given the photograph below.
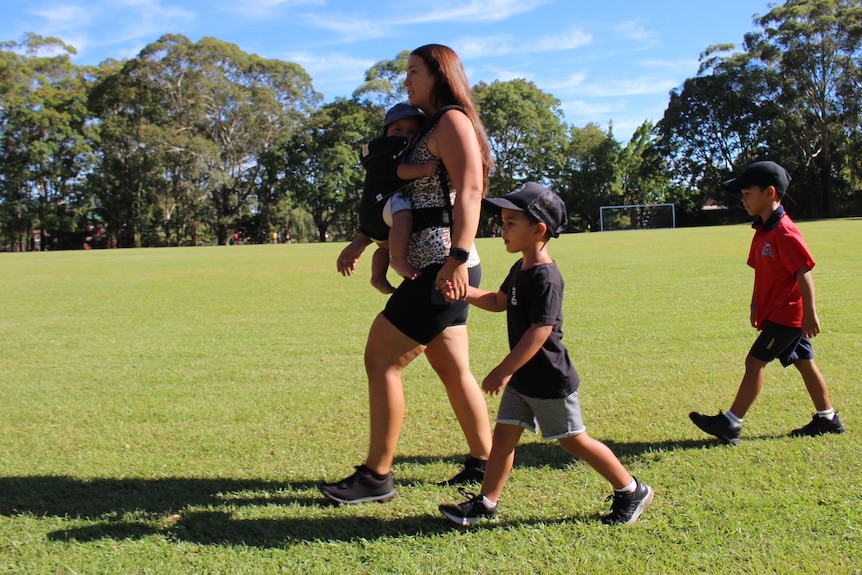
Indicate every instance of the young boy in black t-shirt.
{"type": "Point", "coordinates": [537, 378]}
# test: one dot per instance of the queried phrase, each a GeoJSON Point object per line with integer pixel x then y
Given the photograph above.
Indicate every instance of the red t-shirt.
{"type": "Point", "coordinates": [777, 252]}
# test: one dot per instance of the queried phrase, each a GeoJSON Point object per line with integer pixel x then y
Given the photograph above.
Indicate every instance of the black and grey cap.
{"type": "Point", "coordinates": [540, 202]}
{"type": "Point", "coordinates": [763, 174]}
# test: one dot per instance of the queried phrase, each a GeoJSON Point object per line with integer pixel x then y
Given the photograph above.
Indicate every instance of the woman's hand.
{"type": "Point", "coordinates": [453, 280]}
{"type": "Point", "coordinates": [348, 257]}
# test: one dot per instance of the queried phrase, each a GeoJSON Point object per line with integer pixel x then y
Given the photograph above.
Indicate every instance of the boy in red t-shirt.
{"type": "Point", "coordinates": [782, 306]}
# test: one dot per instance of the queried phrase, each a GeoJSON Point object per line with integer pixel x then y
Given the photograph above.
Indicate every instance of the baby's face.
{"type": "Point", "coordinates": [403, 128]}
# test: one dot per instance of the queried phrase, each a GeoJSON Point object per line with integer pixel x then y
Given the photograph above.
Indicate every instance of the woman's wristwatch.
{"type": "Point", "coordinates": [459, 254]}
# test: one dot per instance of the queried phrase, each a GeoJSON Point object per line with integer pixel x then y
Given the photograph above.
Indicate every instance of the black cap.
{"type": "Point", "coordinates": [540, 202]}
{"type": "Point", "coordinates": [763, 174]}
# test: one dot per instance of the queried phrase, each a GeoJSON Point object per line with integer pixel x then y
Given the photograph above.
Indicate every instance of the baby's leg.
{"type": "Point", "coordinates": [399, 238]}
{"type": "Point", "coordinates": [379, 267]}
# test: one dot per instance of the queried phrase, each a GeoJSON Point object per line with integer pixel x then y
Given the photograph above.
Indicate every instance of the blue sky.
{"type": "Point", "coordinates": [604, 60]}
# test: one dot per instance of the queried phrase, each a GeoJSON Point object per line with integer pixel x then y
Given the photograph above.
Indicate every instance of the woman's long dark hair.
{"type": "Point", "coordinates": [452, 88]}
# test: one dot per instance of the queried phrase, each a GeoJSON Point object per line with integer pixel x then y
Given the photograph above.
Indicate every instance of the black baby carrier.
{"type": "Point", "coordinates": [380, 158]}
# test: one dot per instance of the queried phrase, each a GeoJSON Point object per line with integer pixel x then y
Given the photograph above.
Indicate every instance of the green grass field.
{"type": "Point", "coordinates": [171, 411]}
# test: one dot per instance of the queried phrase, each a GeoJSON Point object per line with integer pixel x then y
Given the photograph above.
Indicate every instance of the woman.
{"type": "Point", "coordinates": [416, 318]}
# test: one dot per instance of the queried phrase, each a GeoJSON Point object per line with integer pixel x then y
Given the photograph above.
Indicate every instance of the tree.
{"type": "Point", "coordinates": [45, 143]}
{"type": "Point", "coordinates": [590, 178]}
{"type": "Point", "coordinates": [814, 47]}
{"type": "Point", "coordinates": [384, 82]}
{"type": "Point", "coordinates": [195, 119]}
{"type": "Point", "coordinates": [718, 120]}
{"type": "Point", "coordinates": [526, 131]}
{"type": "Point", "coordinates": [321, 163]}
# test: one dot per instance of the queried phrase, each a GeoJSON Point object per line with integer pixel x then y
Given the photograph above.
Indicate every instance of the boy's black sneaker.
{"type": "Point", "coordinates": [717, 425]}
{"type": "Point", "coordinates": [820, 425]}
{"type": "Point", "coordinates": [360, 487]}
{"type": "Point", "coordinates": [628, 507]}
{"type": "Point", "coordinates": [473, 472]}
{"type": "Point", "coordinates": [470, 512]}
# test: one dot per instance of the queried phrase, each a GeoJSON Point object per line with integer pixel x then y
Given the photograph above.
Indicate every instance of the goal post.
{"type": "Point", "coordinates": [637, 217]}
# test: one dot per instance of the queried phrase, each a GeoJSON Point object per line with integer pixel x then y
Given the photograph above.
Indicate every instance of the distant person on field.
{"type": "Point", "coordinates": [384, 202]}
{"type": "Point", "coordinates": [782, 306]}
{"type": "Point", "coordinates": [537, 378]}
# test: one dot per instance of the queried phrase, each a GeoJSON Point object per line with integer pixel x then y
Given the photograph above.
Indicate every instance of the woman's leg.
{"type": "Point", "coordinates": [449, 355]}
{"type": "Point", "coordinates": [387, 353]}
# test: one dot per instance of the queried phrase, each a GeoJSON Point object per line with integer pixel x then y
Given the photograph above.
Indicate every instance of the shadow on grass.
{"type": "Point", "coordinates": [217, 528]}
{"type": "Point", "coordinates": [541, 454]}
{"type": "Point", "coordinates": [76, 498]}
{"type": "Point", "coordinates": [186, 508]}
{"type": "Point", "coordinates": [135, 509]}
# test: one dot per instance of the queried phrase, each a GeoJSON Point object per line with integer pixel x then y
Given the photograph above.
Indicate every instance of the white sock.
{"type": "Point", "coordinates": [733, 419]}
{"type": "Point", "coordinates": [628, 488]}
{"type": "Point", "coordinates": [826, 413]}
{"type": "Point", "coordinates": [488, 503]}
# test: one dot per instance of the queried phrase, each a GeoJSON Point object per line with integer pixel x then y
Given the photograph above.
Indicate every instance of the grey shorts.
{"type": "Point", "coordinates": [556, 418]}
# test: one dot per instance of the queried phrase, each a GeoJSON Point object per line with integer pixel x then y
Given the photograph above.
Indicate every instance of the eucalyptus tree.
{"type": "Point", "coordinates": [590, 177]}
{"type": "Point", "coordinates": [198, 118]}
{"type": "Point", "coordinates": [45, 141]}
{"type": "Point", "coordinates": [644, 178]}
{"type": "Point", "coordinates": [527, 133]}
{"type": "Point", "coordinates": [718, 120]}
{"type": "Point", "coordinates": [791, 94]}
{"type": "Point", "coordinates": [814, 47]}
{"type": "Point", "coordinates": [384, 82]}
{"type": "Point", "coordinates": [321, 169]}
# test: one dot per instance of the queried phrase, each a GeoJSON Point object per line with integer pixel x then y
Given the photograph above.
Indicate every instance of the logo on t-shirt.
{"type": "Point", "coordinates": [767, 251]}
{"type": "Point", "coordinates": [514, 300]}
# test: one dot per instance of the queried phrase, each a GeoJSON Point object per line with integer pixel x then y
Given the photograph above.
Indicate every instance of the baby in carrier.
{"type": "Point", "coordinates": [384, 211]}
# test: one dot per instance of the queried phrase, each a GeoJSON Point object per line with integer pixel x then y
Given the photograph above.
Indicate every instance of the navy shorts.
{"type": "Point", "coordinates": [420, 311]}
{"type": "Point", "coordinates": [783, 343]}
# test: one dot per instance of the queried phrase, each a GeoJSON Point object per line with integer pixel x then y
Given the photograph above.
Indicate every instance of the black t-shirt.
{"type": "Point", "coordinates": [535, 296]}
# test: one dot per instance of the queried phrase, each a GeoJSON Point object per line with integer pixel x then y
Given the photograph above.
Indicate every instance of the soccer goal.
{"type": "Point", "coordinates": [637, 217]}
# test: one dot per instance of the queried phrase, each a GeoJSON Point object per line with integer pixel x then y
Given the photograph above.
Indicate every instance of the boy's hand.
{"type": "Point", "coordinates": [495, 381]}
{"type": "Point", "coordinates": [810, 324]}
{"type": "Point", "coordinates": [448, 291]}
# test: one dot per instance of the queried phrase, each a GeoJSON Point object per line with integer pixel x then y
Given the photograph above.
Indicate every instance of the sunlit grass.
{"type": "Point", "coordinates": [171, 410]}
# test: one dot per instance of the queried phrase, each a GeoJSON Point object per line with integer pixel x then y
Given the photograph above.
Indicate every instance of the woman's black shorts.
{"type": "Point", "coordinates": [419, 310]}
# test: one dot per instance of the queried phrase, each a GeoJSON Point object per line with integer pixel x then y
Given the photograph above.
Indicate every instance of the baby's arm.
{"type": "Point", "coordinates": [416, 171]}
{"type": "Point", "coordinates": [528, 346]}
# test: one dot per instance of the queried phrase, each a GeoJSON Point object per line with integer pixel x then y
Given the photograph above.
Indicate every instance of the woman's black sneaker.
{"type": "Point", "coordinates": [362, 486]}
{"type": "Point", "coordinates": [473, 472]}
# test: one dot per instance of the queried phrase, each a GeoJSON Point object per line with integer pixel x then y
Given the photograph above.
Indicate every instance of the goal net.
{"type": "Point", "coordinates": [636, 217]}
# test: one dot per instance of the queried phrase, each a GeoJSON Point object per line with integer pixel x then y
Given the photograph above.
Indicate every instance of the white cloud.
{"type": "Point", "coordinates": [508, 44]}
{"type": "Point", "coordinates": [62, 17]}
{"type": "Point", "coordinates": [474, 11]}
{"type": "Point", "coordinates": [350, 29]}
{"type": "Point", "coordinates": [636, 30]}
{"type": "Point", "coordinates": [333, 74]}
{"type": "Point", "coordinates": [266, 8]}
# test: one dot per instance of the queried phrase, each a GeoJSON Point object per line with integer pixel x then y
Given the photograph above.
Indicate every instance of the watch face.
{"type": "Point", "coordinates": [459, 254]}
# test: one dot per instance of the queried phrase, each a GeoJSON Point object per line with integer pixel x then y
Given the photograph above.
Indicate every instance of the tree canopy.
{"type": "Point", "coordinates": [192, 143]}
